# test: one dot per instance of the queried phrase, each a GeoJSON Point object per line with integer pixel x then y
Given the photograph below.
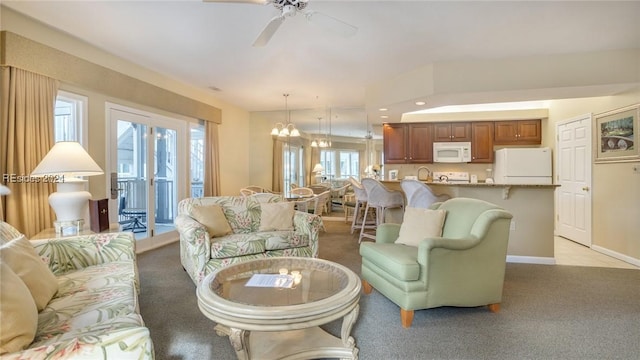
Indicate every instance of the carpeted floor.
{"type": "Point", "coordinates": [548, 312]}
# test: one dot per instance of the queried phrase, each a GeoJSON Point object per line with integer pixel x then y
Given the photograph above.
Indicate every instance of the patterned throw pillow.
{"type": "Point", "coordinates": [420, 223]}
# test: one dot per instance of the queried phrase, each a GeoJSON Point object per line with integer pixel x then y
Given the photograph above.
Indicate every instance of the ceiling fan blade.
{"type": "Point", "coordinates": [268, 31]}
{"type": "Point", "coordinates": [331, 24]}
{"type": "Point", "coordinates": [261, 2]}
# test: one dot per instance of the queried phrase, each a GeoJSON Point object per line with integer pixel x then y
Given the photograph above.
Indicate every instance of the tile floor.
{"type": "Point", "coordinates": [568, 252]}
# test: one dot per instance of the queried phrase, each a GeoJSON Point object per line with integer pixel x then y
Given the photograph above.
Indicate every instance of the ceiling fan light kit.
{"type": "Point", "coordinates": [289, 8]}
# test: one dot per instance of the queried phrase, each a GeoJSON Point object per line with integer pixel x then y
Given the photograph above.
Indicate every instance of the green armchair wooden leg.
{"type": "Point", "coordinates": [366, 287]}
{"type": "Point", "coordinates": [406, 316]}
{"type": "Point", "coordinates": [494, 307]}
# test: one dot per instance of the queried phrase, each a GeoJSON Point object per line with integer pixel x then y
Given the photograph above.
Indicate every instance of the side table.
{"type": "Point", "coordinates": [50, 233]}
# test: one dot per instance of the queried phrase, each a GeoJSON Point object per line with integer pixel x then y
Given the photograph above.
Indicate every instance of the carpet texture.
{"type": "Point", "coordinates": [548, 312]}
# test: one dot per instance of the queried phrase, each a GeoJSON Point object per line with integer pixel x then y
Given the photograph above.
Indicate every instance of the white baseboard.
{"type": "Point", "coordinates": [613, 254]}
{"type": "Point", "coordinates": [531, 260]}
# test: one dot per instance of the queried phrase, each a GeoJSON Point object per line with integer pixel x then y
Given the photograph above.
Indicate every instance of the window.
{"type": "Point", "coordinates": [197, 160]}
{"type": "Point", "coordinates": [70, 117]}
{"type": "Point", "coordinates": [340, 163]}
{"type": "Point", "coordinates": [293, 166]}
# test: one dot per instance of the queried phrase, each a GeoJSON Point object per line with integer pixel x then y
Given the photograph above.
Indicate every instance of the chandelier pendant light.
{"type": "Point", "coordinates": [319, 142]}
{"type": "Point", "coordinates": [287, 128]}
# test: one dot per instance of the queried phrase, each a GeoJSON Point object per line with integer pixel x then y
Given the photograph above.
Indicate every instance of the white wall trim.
{"type": "Point", "coordinates": [617, 255]}
{"type": "Point", "coordinates": [531, 260]}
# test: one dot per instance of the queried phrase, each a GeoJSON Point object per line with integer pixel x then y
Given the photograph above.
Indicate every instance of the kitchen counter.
{"type": "Point", "coordinates": [506, 188]}
{"type": "Point", "coordinates": [531, 237]}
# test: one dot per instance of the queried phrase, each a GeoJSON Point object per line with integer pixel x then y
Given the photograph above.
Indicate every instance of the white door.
{"type": "Point", "coordinates": [574, 177]}
{"type": "Point", "coordinates": [144, 170]}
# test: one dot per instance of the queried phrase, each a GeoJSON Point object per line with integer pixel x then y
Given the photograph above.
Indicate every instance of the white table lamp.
{"type": "Point", "coordinates": [4, 190]}
{"type": "Point", "coordinates": [64, 164]}
{"type": "Point", "coordinates": [318, 169]}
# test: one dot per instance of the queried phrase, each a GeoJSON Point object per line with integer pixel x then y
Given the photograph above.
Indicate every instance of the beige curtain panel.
{"type": "Point", "coordinates": [27, 103]}
{"type": "Point", "coordinates": [277, 180]}
{"type": "Point", "coordinates": [211, 160]}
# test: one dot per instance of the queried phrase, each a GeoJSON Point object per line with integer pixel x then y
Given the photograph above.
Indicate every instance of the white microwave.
{"type": "Point", "coordinates": [451, 152]}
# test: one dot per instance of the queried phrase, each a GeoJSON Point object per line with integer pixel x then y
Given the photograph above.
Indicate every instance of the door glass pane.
{"type": "Point", "coordinates": [165, 179]}
{"type": "Point", "coordinates": [132, 177]}
{"type": "Point", "coordinates": [197, 161]}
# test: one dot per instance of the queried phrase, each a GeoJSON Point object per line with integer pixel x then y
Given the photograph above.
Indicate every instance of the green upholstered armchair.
{"type": "Point", "coordinates": [465, 267]}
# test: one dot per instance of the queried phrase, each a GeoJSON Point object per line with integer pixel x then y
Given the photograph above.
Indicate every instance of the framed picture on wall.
{"type": "Point", "coordinates": [617, 135]}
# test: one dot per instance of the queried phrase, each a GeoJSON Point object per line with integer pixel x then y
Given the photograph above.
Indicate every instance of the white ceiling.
{"type": "Point", "coordinates": [209, 44]}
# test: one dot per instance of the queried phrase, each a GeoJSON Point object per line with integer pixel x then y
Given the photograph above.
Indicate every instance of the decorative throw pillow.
{"type": "Point", "coordinates": [22, 258]}
{"type": "Point", "coordinates": [212, 217]}
{"type": "Point", "coordinates": [420, 223]}
{"type": "Point", "coordinates": [18, 312]}
{"type": "Point", "coordinates": [276, 216]}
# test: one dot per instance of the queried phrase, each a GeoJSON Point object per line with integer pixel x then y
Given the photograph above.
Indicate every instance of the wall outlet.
{"type": "Point", "coordinates": [513, 226]}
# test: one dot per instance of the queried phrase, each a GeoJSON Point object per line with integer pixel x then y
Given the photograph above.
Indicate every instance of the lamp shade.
{"type": "Point", "coordinates": [67, 158]}
{"type": "Point", "coordinates": [318, 168]}
{"type": "Point", "coordinates": [4, 190]}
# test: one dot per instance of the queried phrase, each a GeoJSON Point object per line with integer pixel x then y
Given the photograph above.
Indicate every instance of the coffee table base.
{"type": "Point", "coordinates": [308, 343]}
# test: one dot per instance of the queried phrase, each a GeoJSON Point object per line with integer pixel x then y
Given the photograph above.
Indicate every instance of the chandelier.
{"type": "Point", "coordinates": [323, 143]}
{"type": "Point", "coordinates": [288, 129]}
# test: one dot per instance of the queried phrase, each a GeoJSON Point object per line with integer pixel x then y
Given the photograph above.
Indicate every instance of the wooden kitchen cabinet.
{"type": "Point", "coordinates": [482, 142]}
{"type": "Point", "coordinates": [394, 143]}
{"type": "Point", "coordinates": [408, 143]}
{"type": "Point", "coordinates": [455, 131]}
{"type": "Point", "coordinates": [518, 132]}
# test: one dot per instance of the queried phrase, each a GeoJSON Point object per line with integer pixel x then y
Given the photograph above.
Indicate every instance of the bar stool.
{"type": "Point", "coordinates": [360, 204]}
{"type": "Point", "coordinates": [379, 198]}
{"type": "Point", "coordinates": [420, 195]}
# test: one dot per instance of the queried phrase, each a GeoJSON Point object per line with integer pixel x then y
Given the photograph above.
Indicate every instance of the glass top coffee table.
{"type": "Point", "coordinates": [271, 308]}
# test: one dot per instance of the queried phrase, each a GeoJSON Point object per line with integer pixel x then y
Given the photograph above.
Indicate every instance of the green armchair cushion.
{"type": "Point", "coordinates": [400, 262]}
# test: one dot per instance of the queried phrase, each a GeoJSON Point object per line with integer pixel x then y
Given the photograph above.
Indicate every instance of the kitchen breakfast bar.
{"type": "Point", "coordinates": [532, 227]}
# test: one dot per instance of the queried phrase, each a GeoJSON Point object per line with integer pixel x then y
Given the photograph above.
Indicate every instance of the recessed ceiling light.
{"type": "Point", "coordinates": [383, 109]}
{"type": "Point", "coordinates": [384, 116]}
{"type": "Point", "coordinates": [214, 88]}
{"type": "Point", "coordinates": [420, 103]}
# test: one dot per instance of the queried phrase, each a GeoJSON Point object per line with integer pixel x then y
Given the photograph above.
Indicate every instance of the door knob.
{"type": "Point", "coordinates": [586, 188]}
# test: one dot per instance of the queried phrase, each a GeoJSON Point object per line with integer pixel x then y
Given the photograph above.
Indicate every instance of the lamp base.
{"type": "Point", "coordinates": [71, 201]}
{"type": "Point", "coordinates": [68, 227]}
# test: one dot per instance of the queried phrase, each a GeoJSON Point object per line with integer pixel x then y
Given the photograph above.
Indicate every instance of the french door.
{"type": "Point", "coordinates": [144, 171]}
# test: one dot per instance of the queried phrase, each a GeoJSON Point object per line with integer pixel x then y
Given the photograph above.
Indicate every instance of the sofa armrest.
{"type": "Point", "coordinates": [77, 252]}
{"type": "Point", "coordinates": [311, 225]}
{"type": "Point", "coordinates": [195, 246]}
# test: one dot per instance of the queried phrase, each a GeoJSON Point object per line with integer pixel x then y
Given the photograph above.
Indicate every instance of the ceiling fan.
{"type": "Point", "coordinates": [289, 8]}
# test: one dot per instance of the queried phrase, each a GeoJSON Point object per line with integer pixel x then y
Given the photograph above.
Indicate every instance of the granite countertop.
{"type": "Point", "coordinates": [480, 184]}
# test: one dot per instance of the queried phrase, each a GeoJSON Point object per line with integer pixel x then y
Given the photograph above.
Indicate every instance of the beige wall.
{"type": "Point", "coordinates": [234, 139]}
{"type": "Point", "coordinates": [615, 188]}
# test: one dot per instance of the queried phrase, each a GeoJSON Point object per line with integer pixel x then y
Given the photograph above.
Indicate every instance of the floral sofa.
{"type": "Point", "coordinates": [201, 253]}
{"type": "Point", "coordinates": [89, 309]}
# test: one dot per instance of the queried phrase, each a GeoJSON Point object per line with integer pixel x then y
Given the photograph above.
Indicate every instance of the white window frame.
{"type": "Point", "coordinates": [80, 105]}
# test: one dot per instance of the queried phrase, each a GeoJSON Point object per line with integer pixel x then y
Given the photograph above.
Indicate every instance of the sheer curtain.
{"type": "Point", "coordinates": [211, 160]}
{"type": "Point", "coordinates": [27, 103]}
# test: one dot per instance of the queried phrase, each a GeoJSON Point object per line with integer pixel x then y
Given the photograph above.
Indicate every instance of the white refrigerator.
{"type": "Point", "coordinates": [523, 166]}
